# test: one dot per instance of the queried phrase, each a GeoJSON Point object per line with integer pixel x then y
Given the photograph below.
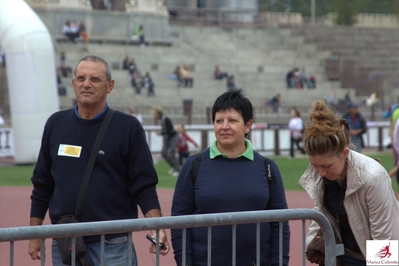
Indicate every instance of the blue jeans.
{"type": "Point", "coordinates": [347, 260]}
{"type": "Point", "coordinates": [115, 253]}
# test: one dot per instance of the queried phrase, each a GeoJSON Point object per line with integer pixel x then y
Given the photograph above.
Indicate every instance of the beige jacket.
{"type": "Point", "coordinates": [373, 211]}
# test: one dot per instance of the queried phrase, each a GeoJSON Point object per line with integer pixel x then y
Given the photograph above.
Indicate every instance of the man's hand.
{"type": "Point", "coordinates": [34, 248]}
{"type": "Point", "coordinates": [35, 244]}
{"type": "Point", "coordinates": [163, 239]}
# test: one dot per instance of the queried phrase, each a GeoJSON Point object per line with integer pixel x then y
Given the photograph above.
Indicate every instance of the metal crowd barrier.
{"type": "Point", "coordinates": [183, 222]}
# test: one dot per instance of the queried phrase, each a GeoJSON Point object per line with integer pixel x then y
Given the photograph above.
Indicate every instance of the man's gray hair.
{"type": "Point", "coordinates": [95, 58]}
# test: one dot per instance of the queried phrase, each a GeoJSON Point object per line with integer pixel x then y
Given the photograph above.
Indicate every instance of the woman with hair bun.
{"type": "Point", "coordinates": [352, 190]}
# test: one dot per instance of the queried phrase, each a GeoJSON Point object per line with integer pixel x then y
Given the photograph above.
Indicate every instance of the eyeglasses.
{"type": "Point", "coordinates": [91, 79]}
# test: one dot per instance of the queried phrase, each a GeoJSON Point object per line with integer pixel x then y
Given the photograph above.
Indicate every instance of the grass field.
{"type": "Point", "coordinates": [291, 171]}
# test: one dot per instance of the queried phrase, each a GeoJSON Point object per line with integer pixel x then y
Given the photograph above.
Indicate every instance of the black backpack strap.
{"type": "Point", "coordinates": [269, 174]}
{"type": "Point", "coordinates": [196, 167]}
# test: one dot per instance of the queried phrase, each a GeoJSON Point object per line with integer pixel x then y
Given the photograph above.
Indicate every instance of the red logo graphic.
{"type": "Point", "coordinates": [384, 252]}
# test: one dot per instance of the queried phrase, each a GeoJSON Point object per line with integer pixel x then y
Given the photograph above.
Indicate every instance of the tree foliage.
{"type": "Point", "coordinates": [346, 11]}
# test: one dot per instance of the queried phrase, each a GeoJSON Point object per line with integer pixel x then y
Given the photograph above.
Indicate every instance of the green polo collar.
{"type": "Point", "coordinates": [249, 152]}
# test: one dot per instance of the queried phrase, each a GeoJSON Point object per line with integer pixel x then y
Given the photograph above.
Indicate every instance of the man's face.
{"type": "Point", "coordinates": [90, 84]}
{"type": "Point", "coordinates": [353, 111]}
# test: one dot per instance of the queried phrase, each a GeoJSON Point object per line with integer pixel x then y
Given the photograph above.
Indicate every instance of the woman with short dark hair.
{"type": "Point", "coordinates": [231, 178]}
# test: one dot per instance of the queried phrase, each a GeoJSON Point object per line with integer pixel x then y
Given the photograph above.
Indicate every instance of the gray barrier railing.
{"type": "Point", "coordinates": [271, 140]}
{"type": "Point", "coordinates": [177, 222]}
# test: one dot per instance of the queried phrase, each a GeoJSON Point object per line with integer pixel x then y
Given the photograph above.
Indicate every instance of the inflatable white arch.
{"type": "Point", "coordinates": [31, 75]}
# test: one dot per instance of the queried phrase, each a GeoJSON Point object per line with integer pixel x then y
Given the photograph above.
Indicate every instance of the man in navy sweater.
{"type": "Point", "coordinates": [122, 178]}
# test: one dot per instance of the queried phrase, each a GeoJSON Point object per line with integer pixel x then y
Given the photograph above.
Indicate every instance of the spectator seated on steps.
{"type": "Point", "coordinates": [70, 30]}
{"type": "Point", "coordinates": [275, 103]}
{"type": "Point", "coordinates": [176, 76]}
{"type": "Point", "coordinates": [185, 75]}
{"type": "Point", "coordinates": [139, 35]}
{"type": "Point", "coordinates": [66, 70]}
{"type": "Point", "coordinates": [218, 74]}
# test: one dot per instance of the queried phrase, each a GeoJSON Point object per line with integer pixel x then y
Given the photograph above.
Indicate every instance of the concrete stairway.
{"type": "Point", "coordinates": [258, 58]}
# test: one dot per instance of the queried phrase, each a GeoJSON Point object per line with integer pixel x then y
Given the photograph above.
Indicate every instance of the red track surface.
{"type": "Point", "coordinates": [14, 211]}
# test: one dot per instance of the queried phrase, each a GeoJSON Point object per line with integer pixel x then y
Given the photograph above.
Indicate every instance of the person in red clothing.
{"type": "Point", "coordinates": [182, 146]}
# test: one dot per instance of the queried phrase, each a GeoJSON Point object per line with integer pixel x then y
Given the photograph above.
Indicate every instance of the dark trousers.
{"type": "Point", "coordinates": [183, 155]}
{"type": "Point", "coordinates": [188, 82]}
{"type": "Point", "coordinates": [169, 151]}
{"type": "Point", "coordinates": [296, 141]}
{"type": "Point", "coordinates": [142, 40]}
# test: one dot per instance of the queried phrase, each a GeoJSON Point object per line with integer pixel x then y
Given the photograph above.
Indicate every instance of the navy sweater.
{"type": "Point", "coordinates": [229, 185]}
{"type": "Point", "coordinates": [123, 175]}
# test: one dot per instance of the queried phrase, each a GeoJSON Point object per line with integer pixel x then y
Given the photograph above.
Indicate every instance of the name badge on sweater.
{"type": "Point", "coordinates": [69, 150]}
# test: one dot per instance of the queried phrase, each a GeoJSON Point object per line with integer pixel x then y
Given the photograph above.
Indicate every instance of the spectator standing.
{"type": "Point", "coordinates": [182, 146]}
{"type": "Point", "coordinates": [124, 175]}
{"type": "Point", "coordinates": [231, 177]}
{"type": "Point", "coordinates": [352, 190]}
{"type": "Point", "coordinates": [170, 140]}
{"type": "Point", "coordinates": [295, 126]}
{"type": "Point", "coordinates": [357, 125]}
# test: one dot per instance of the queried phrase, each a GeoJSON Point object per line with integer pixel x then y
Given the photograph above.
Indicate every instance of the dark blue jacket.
{"type": "Point", "coordinates": [229, 185]}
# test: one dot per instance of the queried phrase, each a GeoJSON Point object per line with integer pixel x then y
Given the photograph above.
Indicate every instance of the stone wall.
{"type": "Point", "coordinates": [368, 20]}
{"type": "Point", "coordinates": [107, 24]}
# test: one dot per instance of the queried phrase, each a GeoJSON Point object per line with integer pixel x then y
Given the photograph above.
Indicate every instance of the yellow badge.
{"type": "Point", "coordinates": [69, 150]}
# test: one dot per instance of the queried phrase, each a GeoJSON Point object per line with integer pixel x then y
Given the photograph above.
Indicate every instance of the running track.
{"type": "Point", "coordinates": [14, 211]}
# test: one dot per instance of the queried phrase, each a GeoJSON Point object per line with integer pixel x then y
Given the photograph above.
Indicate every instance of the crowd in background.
{"type": "Point", "coordinates": [138, 80]}
{"type": "Point", "coordinates": [75, 32]}
{"type": "Point", "coordinates": [297, 78]}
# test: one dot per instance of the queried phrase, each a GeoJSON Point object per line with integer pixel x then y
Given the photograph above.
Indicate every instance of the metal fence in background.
{"type": "Point", "coordinates": [178, 222]}
{"type": "Point", "coordinates": [268, 139]}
